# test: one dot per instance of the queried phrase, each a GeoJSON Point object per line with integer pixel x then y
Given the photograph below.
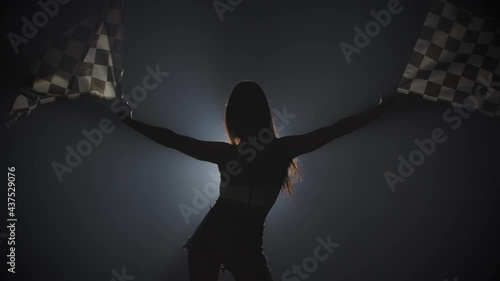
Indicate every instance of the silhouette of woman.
{"type": "Point", "coordinates": [255, 166]}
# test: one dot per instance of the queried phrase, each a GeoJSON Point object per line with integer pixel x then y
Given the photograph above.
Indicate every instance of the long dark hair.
{"type": "Point", "coordinates": [248, 112]}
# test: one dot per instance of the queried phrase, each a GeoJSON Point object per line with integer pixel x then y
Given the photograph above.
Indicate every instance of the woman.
{"type": "Point", "coordinates": [255, 166]}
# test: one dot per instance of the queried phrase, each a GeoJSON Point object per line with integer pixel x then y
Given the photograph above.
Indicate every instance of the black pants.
{"type": "Point", "coordinates": [244, 265]}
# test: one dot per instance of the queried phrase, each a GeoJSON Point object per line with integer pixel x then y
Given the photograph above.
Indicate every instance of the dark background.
{"type": "Point", "coordinates": [119, 208]}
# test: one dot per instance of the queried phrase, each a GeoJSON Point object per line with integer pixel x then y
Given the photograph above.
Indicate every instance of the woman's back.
{"type": "Point", "coordinates": [254, 175]}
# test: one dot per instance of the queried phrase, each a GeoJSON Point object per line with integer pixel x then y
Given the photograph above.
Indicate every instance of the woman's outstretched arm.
{"type": "Point", "coordinates": [211, 151]}
{"type": "Point", "coordinates": [301, 144]}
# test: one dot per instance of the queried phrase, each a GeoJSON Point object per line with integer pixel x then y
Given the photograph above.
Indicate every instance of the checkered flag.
{"type": "Point", "coordinates": [456, 59]}
{"type": "Point", "coordinates": [85, 60]}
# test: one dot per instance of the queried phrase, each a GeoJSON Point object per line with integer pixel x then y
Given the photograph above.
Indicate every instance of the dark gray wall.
{"type": "Point", "coordinates": [119, 207]}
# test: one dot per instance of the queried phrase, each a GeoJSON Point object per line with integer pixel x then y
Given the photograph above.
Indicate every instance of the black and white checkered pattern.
{"type": "Point", "coordinates": [85, 60]}
{"type": "Point", "coordinates": [456, 55]}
